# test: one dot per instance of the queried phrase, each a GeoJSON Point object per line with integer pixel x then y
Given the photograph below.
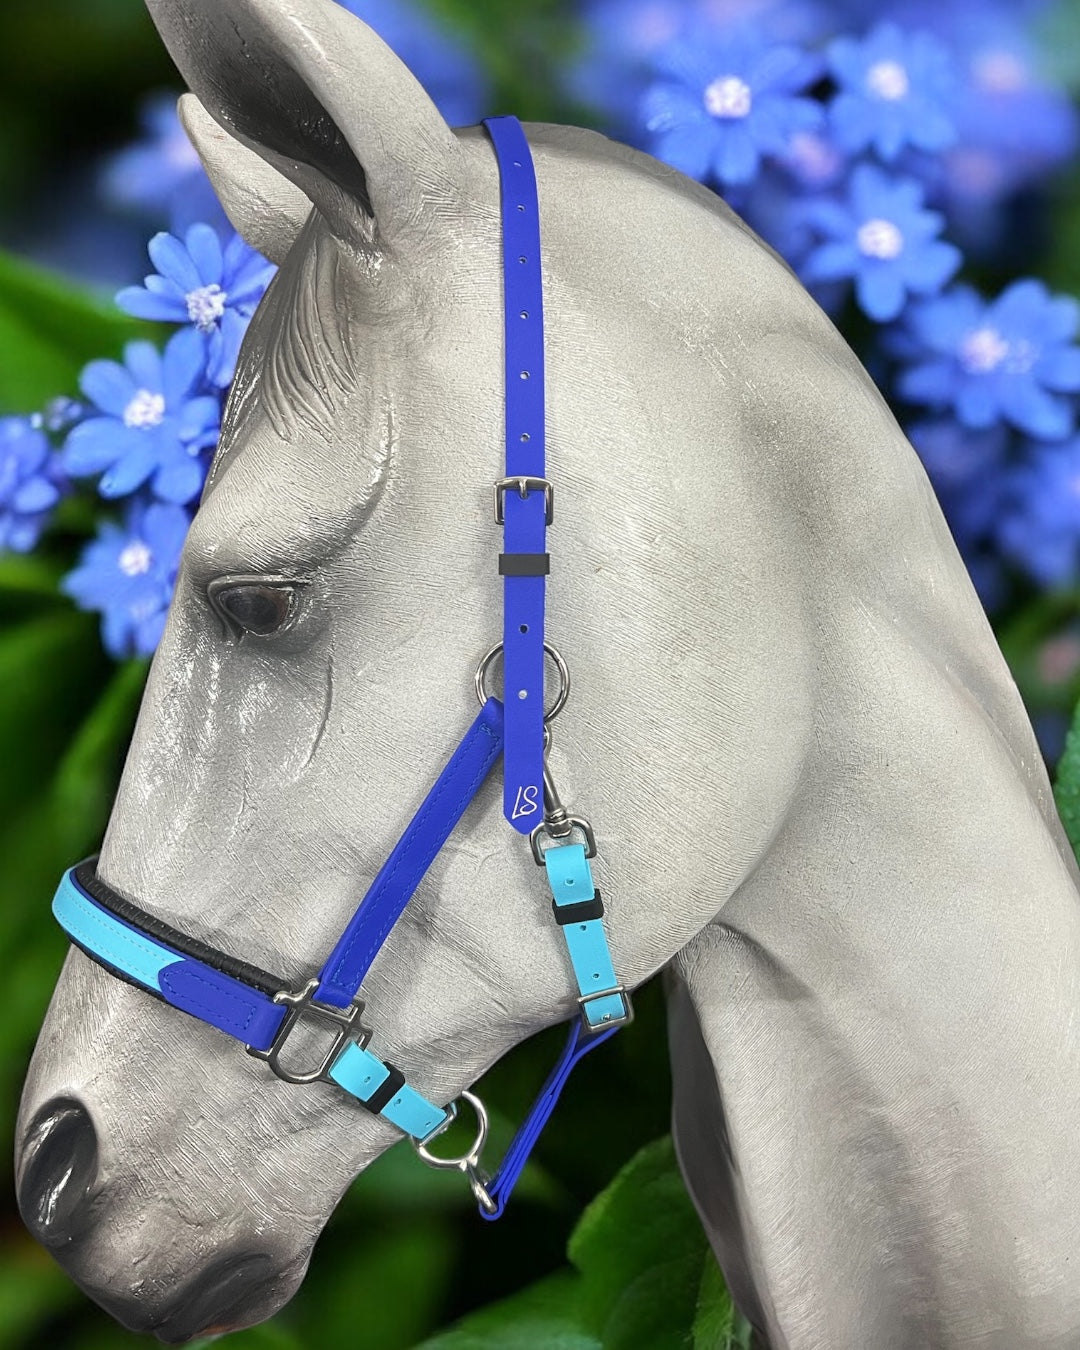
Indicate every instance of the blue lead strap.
{"type": "Point", "coordinates": [524, 497]}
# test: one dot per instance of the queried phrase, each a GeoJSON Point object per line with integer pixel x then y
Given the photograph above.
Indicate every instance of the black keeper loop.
{"type": "Point", "coordinates": [524, 564]}
{"type": "Point", "coordinates": [386, 1091]}
{"type": "Point", "coordinates": [580, 912]}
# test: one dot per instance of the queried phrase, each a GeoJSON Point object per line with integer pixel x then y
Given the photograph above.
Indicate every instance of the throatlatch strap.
{"type": "Point", "coordinates": [525, 501]}
{"type": "Point", "coordinates": [521, 1146]}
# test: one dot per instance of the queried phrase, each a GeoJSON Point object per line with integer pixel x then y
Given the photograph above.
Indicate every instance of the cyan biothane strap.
{"type": "Point", "coordinates": [524, 497]}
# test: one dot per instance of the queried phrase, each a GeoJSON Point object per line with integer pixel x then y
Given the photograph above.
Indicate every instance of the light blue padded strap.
{"type": "Point", "coordinates": [571, 882]}
{"type": "Point", "coordinates": [187, 983]}
{"type": "Point", "coordinates": [361, 1073]}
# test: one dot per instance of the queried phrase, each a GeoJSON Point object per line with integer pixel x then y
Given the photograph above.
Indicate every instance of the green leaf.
{"type": "Point", "coordinates": [644, 1278]}
{"type": "Point", "coordinates": [642, 1221]}
{"type": "Point", "coordinates": [542, 1317]}
{"type": "Point", "coordinates": [1067, 784]}
{"type": "Point", "coordinates": [718, 1324]}
{"type": "Point", "coordinates": [49, 329]}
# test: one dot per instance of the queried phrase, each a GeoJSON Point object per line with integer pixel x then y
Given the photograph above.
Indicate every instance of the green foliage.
{"type": "Point", "coordinates": [643, 1278]}
{"type": "Point", "coordinates": [49, 329]}
{"type": "Point", "coordinates": [1067, 784]}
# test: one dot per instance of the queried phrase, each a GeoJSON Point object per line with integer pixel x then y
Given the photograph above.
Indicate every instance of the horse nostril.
{"type": "Point", "coordinates": [60, 1162]}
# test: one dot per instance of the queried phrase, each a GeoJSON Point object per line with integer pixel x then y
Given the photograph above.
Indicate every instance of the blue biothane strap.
{"type": "Point", "coordinates": [413, 854]}
{"type": "Point", "coordinates": [525, 503]}
{"type": "Point", "coordinates": [521, 1146]}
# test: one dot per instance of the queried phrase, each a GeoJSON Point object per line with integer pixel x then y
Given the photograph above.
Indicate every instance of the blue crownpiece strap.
{"type": "Point", "coordinates": [524, 496]}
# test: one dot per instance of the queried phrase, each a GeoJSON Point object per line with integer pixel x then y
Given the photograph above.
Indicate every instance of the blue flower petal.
{"type": "Point", "coordinates": [172, 260]}
{"type": "Point", "coordinates": [735, 157]}
{"type": "Point", "coordinates": [183, 365]}
{"type": "Point", "coordinates": [94, 444]}
{"type": "Point", "coordinates": [131, 471]}
{"type": "Point", "coordinates": [143, 360]}
{"type": "Point", "coordinates": [37, 494]}
{"type": "Point", "coordinates": [1059, 369]}
{"type": "Point", "coordinates": [180, 479]}
{"type": "Point", "coordinates": [107, 385]}
{"type": "Point", "coordinates": [1035, 411]}
{"type": "Point", "coordinates": [880, 292]}
{"type": "Point", "coordinates": [144, 304]}
{"type": "Point", "coordinates": [204, 248]}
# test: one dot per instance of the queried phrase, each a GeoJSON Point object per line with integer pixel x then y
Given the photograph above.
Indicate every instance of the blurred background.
{"type": "Point", "coordinates": [916, 163]}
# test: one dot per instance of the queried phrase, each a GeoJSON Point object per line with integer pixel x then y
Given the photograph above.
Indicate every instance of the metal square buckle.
{"type": "Point", "coordinates": [625, 1018]}
{"type": "Point", "coordinates": [345, 1021]}
{"type": "Point", "coordinates": [523, 485]}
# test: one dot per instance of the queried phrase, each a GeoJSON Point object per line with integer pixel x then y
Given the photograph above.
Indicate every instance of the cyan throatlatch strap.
{"type": "Point", "coordinates": [523, 499]}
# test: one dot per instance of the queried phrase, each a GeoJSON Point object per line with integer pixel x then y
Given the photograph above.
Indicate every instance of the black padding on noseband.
{"type": "Point", "coordinates": [579, 912]}
{"type": "Point", "coordinates": [386, 1091]}
{"type": "Point", "coordinates": [86, 875]}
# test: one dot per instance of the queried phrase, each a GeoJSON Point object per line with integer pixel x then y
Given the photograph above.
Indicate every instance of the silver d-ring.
{"type": "Point", "coordinates": [465, 1162]}
{"type": "Point", "coordinates": [479, 680]}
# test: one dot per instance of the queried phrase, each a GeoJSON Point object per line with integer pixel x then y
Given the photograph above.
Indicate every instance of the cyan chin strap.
{"type": "Point", "coordinates": [256, 1007]}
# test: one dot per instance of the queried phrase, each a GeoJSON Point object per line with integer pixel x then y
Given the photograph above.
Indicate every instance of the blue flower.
{"type": "Point", "coordinates": [894, 89]}
{"type": "Point", "coordinates": [154, 424]}
{"type": "Point", "coordinates": [31, 482]}
{"type": "Point", "coordinates": [1011, 358]}
{"type": "Point", "coordinates": [128, 574]}
{"type": "Point", "coordinates": [1039, 526]}
{"type": "Point", "coordinates": [883, 239]}
{"type": "Point", "coordinates": [724, 100]}
{"type": "Point", "coordinates": [451, 74]}
{"type": "Point", "coordinates": [198, 282]}
{"type": "Point", "coordinates": [160, 176]}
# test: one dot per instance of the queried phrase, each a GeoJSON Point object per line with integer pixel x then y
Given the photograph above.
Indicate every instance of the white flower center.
{"type": "Point", "coordinates": [146, 409]}
{"type": "Point", "coordinates": [999, 72]}
{"type": "Point", "coordinates": [728, 97]}
{"type": "Point", "coordinates": [982, 350]}
{"type": "Point", "coordinates": [888, 80]}
{"type": "Point", "coordinates": [879, 238]}
{"type": "Point", "coordinates": [136, 559]}
{"type": "Point", "coordinates": [205, 306]}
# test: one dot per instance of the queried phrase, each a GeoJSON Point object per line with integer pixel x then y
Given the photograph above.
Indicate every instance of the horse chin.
{"type": "Point", "coordinates": [231, 1294]}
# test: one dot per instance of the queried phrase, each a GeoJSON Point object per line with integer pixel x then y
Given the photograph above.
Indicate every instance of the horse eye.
{"type": "Point", "coordinates": [254, 607]}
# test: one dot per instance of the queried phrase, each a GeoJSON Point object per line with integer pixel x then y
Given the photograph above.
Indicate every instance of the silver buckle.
{"type": "Point", "coordinates": [523, 485]}
{"type": "Point", "coordinates": [559, 831]}
{"type": "Point", "coordinates": [623, 1020]}
{"type": "Point", "coordinates": [347, 1029]}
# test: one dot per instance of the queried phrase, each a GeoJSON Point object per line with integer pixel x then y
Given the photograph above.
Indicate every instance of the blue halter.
{"type": "Point", "coordinates": [253, 1006]}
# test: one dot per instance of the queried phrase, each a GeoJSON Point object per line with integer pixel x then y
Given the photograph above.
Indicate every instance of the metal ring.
{"type": "Point", "coordinates": [466, 1162]}
{"type": "Point", "coordinates": [560, 665]}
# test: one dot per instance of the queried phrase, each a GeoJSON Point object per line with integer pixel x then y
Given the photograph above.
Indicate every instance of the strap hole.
{"type": "Point", "coordinates": [525, 436]}
{"type": "Point", "coordinates": [523, 259]}
{"type": "Point", "coordinates": [524, 374]}
{"type": "Point", "coordinates": [524, 628]}
{"type": "Point", "coordinates": [520, 207]}
{"type": "Point", "coordinates": [524, 313]}
{"type": "Point", "coordinates": [517, 163]}
{"type": "Point", "coordinates": [523, 693]}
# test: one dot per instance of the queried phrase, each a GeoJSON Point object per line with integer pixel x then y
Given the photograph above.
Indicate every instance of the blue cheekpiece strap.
{"type": "Point", "coordinates": [413, 854]}
{"type": "Point", "coordinates": [524, 496]}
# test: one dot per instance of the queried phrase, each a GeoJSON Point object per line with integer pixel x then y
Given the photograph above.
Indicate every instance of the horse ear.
{"type": "Point", "coordinates": [321, 99]}
{"type": "Point", "coordinates": [263, 206]}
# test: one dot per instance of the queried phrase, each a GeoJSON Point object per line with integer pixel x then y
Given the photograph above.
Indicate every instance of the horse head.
{"type": "Point", "coordinates": [813, 782]}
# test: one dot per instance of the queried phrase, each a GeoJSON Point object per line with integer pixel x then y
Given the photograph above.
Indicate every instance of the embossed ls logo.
{"type": "Point", "coordinates": [527, 802]}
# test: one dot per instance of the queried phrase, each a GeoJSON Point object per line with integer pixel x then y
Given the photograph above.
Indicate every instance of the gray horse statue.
{"type": "Point", "coordinates": [819, 802]}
